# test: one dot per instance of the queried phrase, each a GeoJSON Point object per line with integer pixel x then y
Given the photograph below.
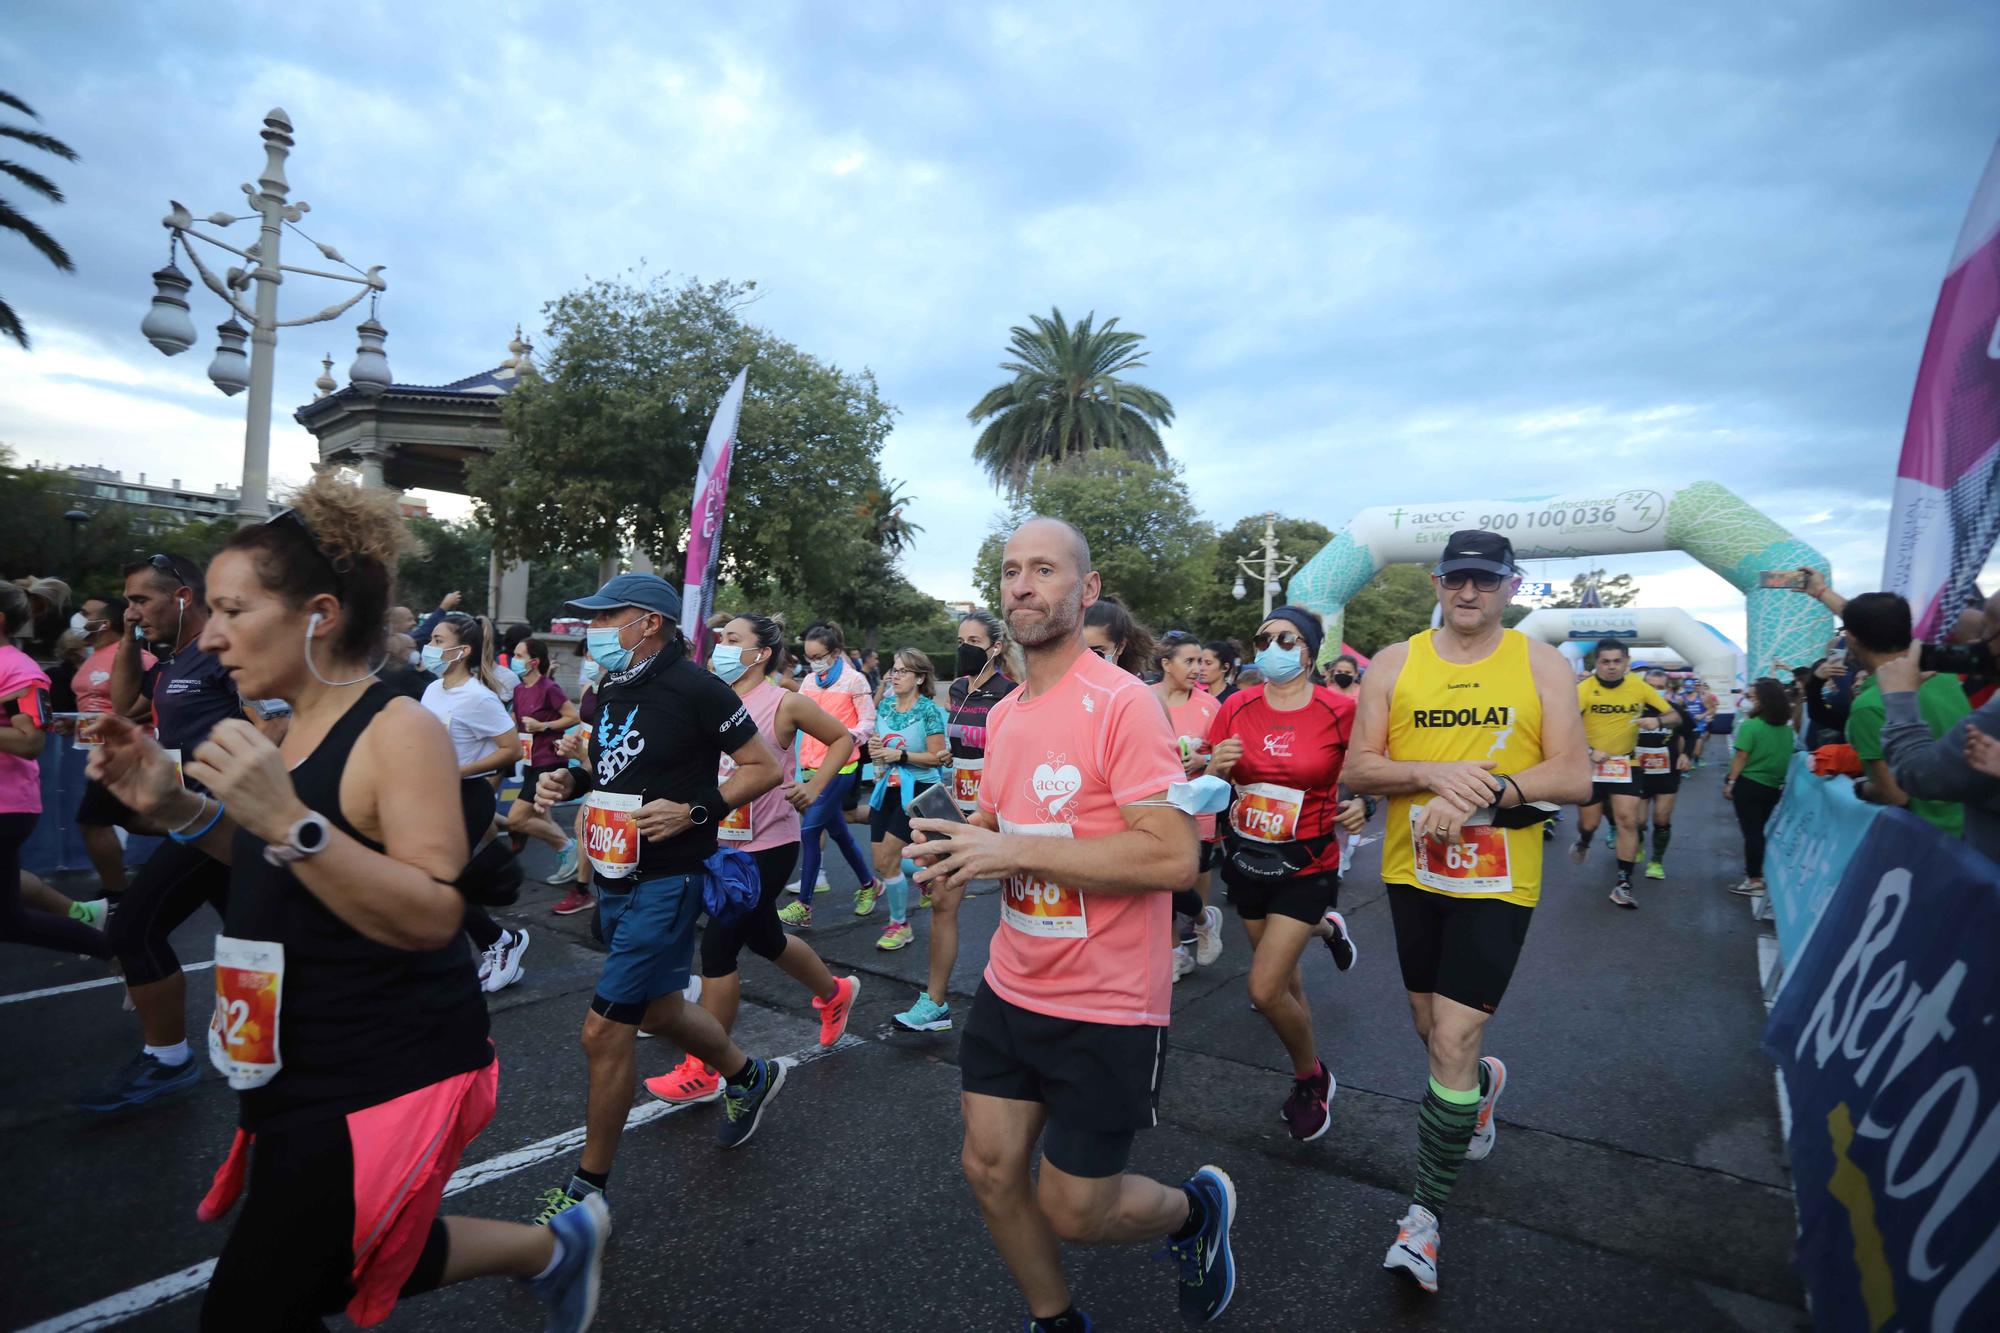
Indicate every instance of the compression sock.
{"type": "Point", "coordinates": [743, 1077]}
{"type": "Point", "coordinates": [1197, 1217]}
{"type": "Point", "coordinates": [1070, 1320]}
{"type": "Point", "coordinates": [1662, 835]}
{"type": "Point", "coordinates": [898, 893]}
{"type": "Point", "coordinates": [1625, 871]}
{"type": "Point", "coordinates": [173, 1056]}
{"type": "Point", "coordinates": [591, 1181]}
{"type": "Point", "coordinates": [1445, 1122]}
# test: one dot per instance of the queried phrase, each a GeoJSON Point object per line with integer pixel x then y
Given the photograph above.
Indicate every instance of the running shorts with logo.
{"type": "Point", "coordinates": [1287, 799]}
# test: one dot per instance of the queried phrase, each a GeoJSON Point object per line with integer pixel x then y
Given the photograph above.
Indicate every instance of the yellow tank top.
{"type": "Point", "coordinates": [1611, 713]}
{"type": "Point", "coordinates": [1443, 711]}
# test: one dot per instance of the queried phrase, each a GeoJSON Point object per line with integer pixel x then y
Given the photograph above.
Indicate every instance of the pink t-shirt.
{"type": "Point", "coordinates": [93, 678]}
{"type": "Point", "coordinates": [769, 820]}
{"type": "Point", "coordinates": [1191, 722]}
{"type": "Point", "coordinates": [1060, 765]}
{"type": "Point", "coordinates": [23, 687]}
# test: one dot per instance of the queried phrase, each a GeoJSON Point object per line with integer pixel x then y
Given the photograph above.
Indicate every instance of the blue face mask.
{"type": "Point", "coordinates": [1205, 795]}
{"type": "Point", "coordinates": [433, 659]}
{"type": "Point", "coordinates": [1279, 664]}
{"type": "Point", "coordinates": [605, 649]}
{"type": "Point", "coordinates": [727, 662]}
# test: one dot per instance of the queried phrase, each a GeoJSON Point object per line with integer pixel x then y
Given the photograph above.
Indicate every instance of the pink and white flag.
{"type": "Point", "coordinates": [711, 494]}
{"type": "Point", "coordinates": [1946, 515]}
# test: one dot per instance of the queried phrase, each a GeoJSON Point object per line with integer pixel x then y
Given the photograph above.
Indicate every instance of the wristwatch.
{"type": "Point", "coordinates": [307, 837]}
{"type": "Point", "coordinates": [698, 815]}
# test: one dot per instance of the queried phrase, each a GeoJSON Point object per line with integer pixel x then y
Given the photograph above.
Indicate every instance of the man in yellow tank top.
{"type": "Point", "coordinates": [1613, 705]}
{"type": "Point", "coordinates": [1468, 729]}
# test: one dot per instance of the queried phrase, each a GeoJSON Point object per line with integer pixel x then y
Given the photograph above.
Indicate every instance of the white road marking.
{"type": "Point", "coordinates": [44, 993]}
{"type": "Point", "coordinates": [148, 1296]}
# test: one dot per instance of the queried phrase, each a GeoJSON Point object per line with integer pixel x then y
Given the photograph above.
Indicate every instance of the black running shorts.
{"type": "Point", "coordinates": [1099, 1081]}
{"type": "Point", "coordinates": [891, 819]}
{"type": "Point", "coordinates": [1302, 897]}
{"type": "Point", "coordinates": [1659, 784]}
{"type": "Point", "coordinates": [1461, 948]}
{"type": "Point", "coordinates": [98, 808]}
{"type": "Point", "coordinates": [1600, 790]}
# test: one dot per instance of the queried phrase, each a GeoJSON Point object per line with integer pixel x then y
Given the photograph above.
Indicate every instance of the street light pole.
{"type": "Point", "coordinates": [252, 503]}
{"type": "Point", "coordinates": [1270, 569]}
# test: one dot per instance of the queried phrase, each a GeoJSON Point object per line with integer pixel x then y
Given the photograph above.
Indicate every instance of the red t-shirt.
{"type": "Point", "coordinates": [1288, 780]}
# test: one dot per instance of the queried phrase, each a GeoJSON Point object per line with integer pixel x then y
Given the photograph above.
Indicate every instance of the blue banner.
{"type": "Point", "coordinates": [1888, 1039]}
{"type": "Point", "coordinates": [1815, 833]}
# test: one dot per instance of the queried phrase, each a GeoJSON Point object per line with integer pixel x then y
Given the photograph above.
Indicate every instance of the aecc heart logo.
{"type": "Point", "coordinates": [1053, 787]}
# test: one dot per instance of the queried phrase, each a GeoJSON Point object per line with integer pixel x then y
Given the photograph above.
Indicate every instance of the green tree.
{"type": "Point", "coordinates": [881, 509]}
{"type": "Point", "coordinates": [1066, 398]}
{"type": "Point", "coordinates": [454, 560]}
{"type": "Point", "coordinates": [602, 449]}
{"type": "Point", "coordinates": [12, 219]}
{"type": "Point", "coordinates": [1396, 604]}
{"type": "Point", "coordinates": [1149, 542]}
{"type": "Point", "coordinates": [1218, 615]}
{"type": "Point", "coordinates": [1616, 591]}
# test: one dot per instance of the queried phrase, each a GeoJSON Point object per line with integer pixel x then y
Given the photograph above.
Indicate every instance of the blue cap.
{"type": "Point", "coordinates": [648, 592]}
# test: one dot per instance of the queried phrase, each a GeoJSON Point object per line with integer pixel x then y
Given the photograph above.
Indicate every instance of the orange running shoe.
{"type": "Point", "coordinates": [689, 1083]}
{"type": "Point", "coordinates": [833, 1013]}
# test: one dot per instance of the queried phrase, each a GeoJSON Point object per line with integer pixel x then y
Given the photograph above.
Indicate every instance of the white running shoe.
{"type": "Point", "coordinates": [1183, 961]}
{"type": "Point", "coordinates": [1208, 936]}
{"type": "Point", "coordinates": [1340, 943]}
{"type": "Point", "coordinates": [1484, 1131]}
{"type": "Point", "coordinates": [506, 966]}
{"type": "Point", "coordinates": [1416, 1249]}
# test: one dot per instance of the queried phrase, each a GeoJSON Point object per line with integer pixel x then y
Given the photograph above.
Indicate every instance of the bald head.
{"type": "Point", "coordinates": [1046, 581]}
{"type": "Point", "coordinates": [1079, 545]}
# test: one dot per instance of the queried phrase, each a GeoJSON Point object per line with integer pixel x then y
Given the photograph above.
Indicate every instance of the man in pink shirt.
{"type": "Point", "coordinates": [1068, 1031]}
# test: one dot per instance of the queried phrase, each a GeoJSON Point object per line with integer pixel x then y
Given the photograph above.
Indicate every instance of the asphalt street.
{"type": "Point", "coordinates": [1638, 1182]}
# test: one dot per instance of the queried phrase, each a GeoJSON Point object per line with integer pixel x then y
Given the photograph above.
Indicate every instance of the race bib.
{"type": "Point", "coordinates": [249, 991]}
{"type": "Point", "coordinates": [1267, 812]}
{"type": "Point", "coordinates": [86, 728]}
{"type": "Point", "coordinates": [965, 775]}
{"type": "Point", "coordinates": [1475, 864]}
{"type": "Point", "coordinates": [1035, 906]}
{"type": "Point", "coordinates": [179, 775]}
{"type": "Point", "coordinates": [1655, 761]}
{"type": "Point", "coordinates": [736, 826]}
{"type": "Point", "coordinates": [611, 833]}
{"type": "Point", "coordinates": [1615, 768]}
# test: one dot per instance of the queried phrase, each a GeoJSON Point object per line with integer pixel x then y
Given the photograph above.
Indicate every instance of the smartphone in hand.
{"type": "Point", "coordinates": [1782, 578]}
{"type": "Point", "coordinates": [935, 802]}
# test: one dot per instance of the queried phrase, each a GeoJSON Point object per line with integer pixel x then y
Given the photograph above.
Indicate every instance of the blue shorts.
{"type": "Point", "coordinates": [649, 930]}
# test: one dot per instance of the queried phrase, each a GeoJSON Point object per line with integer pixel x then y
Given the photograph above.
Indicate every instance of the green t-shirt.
{"type": "Point", "coordinates": [1769, 748]}
{"type": "Point", "coordinates": [1941, 702]}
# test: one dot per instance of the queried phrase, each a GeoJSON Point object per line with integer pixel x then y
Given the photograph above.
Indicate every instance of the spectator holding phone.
{"type": "Point", "coordinates": [1941, 768]}
{"type": "Point", "coordinates": [1877, 625]}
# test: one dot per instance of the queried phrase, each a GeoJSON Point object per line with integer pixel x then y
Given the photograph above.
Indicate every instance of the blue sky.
{"type": "Point", "coordinates": [1449, 251]}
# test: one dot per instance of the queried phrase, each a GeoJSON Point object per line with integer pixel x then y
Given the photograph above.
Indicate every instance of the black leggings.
{"type": "Point", "coordinates": [477, 802]}
{"type": "Point", "coordinates": [169, 888]}
{"type": "Point", "coordinates": [1754, 805]}
{"type": "Point", "coordinates": [290, 1254]}
{"type": "Point", "coordinates": [759, 928]}
{"type": "Point", "coordinates": [21, 924]}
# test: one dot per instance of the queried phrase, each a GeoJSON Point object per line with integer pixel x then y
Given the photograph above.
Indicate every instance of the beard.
{"type": "Point", "coordinates": [1062, 619]}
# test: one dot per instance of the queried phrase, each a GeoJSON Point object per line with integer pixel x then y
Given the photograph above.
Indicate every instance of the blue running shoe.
{"type": "Point", "coordinates": [146, 1079]}
{"type": "Point", "coordinates": [570, 1291]}
{"type": "Point", "coordinates": [1208, 1269]}
{"type": "Point", "coordinates": [743, 1108]}
{"type": "Point", "coordinates": [1037, 1326]}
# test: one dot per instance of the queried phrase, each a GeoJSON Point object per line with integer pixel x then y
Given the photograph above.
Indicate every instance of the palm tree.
{"type": "Point", "coordinates": [12, 219]}
{"type": "Point", "coordinates": [1066, 398]}
{"type": "Point", "coordinates": [882, 509]}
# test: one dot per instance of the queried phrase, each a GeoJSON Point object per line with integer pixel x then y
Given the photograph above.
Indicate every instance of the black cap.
{"type": "Point", "coordinates": [1477, 550]}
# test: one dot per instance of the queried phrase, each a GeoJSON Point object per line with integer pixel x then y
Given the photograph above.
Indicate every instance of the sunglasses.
{"type": "Point", "coordinates": [1285, 639]}
{"type": "Point", "coordinates": [165, 564]}
{"type": "Point", "coordinates": [1457, 579]}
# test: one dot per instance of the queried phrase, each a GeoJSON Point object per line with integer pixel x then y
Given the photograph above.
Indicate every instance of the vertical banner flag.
{"type": "Point", "coordinates": [711, 493]}
{"type": "Point", "coordinates": [1946, 514]}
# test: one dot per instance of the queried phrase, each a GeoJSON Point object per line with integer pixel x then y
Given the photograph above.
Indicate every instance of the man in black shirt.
{"type": "Point", "coordinates": [651, 807]}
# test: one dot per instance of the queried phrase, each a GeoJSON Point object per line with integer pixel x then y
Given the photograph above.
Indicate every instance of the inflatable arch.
{"type": "Point", "coordinates": [1707, 653]}
{"type": "Point", "coordinates": [1704, 519]}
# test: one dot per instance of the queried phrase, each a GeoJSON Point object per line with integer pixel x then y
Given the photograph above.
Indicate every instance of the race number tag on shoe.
{"type": "Point", "coordinates": [249, 990]}
{"type": "Point", "coordinates": [1267, 812]}
{"type": "Point", "coordinates": [1654, 761]}
{"type": "Point", "coordinates": [1036, 907]}
{"type": "Point", "coordinates": [1474, 864]}
{"type": "Point", "coordinates": [611, 833]}
{"type": "Point", "coordinates": [1613, 768]}
{"type": "Point", "coordinates": [965, 775]}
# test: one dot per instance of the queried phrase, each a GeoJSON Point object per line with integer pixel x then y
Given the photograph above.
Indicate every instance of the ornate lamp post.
{"type": "Point", "coordinates": [169, 326]}
{"type": "Point", "coordinates": [1269, 570]}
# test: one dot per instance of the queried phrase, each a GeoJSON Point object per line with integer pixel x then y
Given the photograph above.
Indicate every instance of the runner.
{"type": "Point", "coordinates": [348, 1016]}
{"type": "Point", "coordinates": [99, 814]}
{"type": "Point", "coordinates": [1614, 713]}
{"type": "Point", "coordinates": [487, 745]}
{"type": "Point", "coordinates": [749, 651]}
{"type": "Point", "coordinates": [1110, 631]}
{"type": "Point", "coordinates": [1343, 677]}
{"type": "Point", "coordinates": [1218, 668]}
{"type": "Point", "coordinates": [1191, 712]}
{"type": "Point", "coordinates": [190, 694]}
{"type": "Point", "coordinates": [573, 749]}
{"type": "Point", "coordinates": [840, 689]}
{"type": "Point", "coordinates": [1695, 705]}
{"type": "Point", "coordinates": [981, 683]}
{"type": "Point", "coordinates": [1281, 745]}
{"type": "Point", "coordinates": [1068, 1030]}
{"type": "Point", "coordinates": [663, 726]}
{"type": "Point", "coordinates": [1462, 726]}
{"type": "Point", "coordinates": [910, 753]}
{"type": "Point", "coordinates": [1662, 756]}
{"type": "Point", "coordinates": [544, 712]}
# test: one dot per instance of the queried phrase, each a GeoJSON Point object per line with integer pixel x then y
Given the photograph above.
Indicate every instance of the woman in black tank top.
{"type": "Point", "coordinates": [348, 1011]}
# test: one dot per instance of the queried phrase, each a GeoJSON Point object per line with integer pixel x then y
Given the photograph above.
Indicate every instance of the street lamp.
{"type": "Point", "coordinates": [1266, 571]}
{"type": "Point", "coordinates": [169, 327]}
{"type": "Point", "coordinates": [76, 518]}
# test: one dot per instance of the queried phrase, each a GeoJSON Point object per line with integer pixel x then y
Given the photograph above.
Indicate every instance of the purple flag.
{"type": "Point", "coordinates": [711, 494]}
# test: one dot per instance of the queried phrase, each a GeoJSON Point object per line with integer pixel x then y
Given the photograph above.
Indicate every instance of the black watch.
{"type": "Point", "coordinates": [698, 815]}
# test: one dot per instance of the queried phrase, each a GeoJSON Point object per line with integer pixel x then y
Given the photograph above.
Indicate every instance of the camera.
{"type": "Point", "coordinates": [1957, 659]}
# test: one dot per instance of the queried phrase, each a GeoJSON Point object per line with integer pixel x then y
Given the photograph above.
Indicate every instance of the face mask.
{"type": "Point", "coordinates": [79, 624]}
{"type": "Point", "coordinates": [828, 673]}
{"type": "Point", "coordinates": [1279, 664]}
{"type": "Point", "coordinates": [605, 649]}
{"type": "Point", "coordinates": [971, 659]}
{"type": "Point", "coordinates": [434, 658]}
{"type": "Point", "coordinates": [727, 662]}
{"type": "Point", "coordinates": [587, 673]}
{"type": "Point", "coordinates": [1205, 795]}
{"type": "Point", "coordinates": [1343, 678]}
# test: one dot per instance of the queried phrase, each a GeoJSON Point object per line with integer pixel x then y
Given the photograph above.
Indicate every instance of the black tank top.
{"type": "Point", "coordinates": [360, 1023]}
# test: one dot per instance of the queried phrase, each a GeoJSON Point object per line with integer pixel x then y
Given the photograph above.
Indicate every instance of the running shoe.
{"type": "Point", "coordinates": [1416, 1249]}
{"type": "Point", "coordinates": [743, 1108]}
{"type": "Point", "coordinates": [576, 900]}
{"type": "Point", "coordinates": [926, 1015]}
{"type": "Point", "coordinates": [94, 913]}
{"type": "Point", "coordinates": [799, 916]}
{"type": "Point", "coordinates": [551, 1204]}
{"type": "Point", "coordinates": [1621, 895]}
{"type": "Point", "coordinates": [1183, 961]}
{"type": "Point", "coordinates": [1654, 870]}
{"type": "Point", "coordinates": [689, 1083]}
{"type": "Point", "coordinates": [896, 936]}
{"type": "Point", "coordinates": [1484, 1131]}
{"type": "Point", "coordinates": [146, 1078]}
{"type": "Point", "coordinates": [1037, 1326]}
{"type": "Point", "coordinates": [1306, 1112]}
{"type": "Point", "coordinates": [1340, 944]}
{"type": "Point", "coordinates": [1208, 1268]}
{"type": "Point", "coordinates": [864, 899]}
{"type": "Point", "coordinates": [1748, 888]}
{"type": "Point", "coordinates": [1208, 936]}
{"type": "Point", "coordinates": [1577, 851]}
{"type": "Point", "coordinates": [506, 961]}
{"type": "Point", "coordinates": [571, 1287]}
{"type": "Point", "coordinates": [819, 886]}
{"type": "Point", "coordinates": [565, 871]}
{"type": "Point", "coordinates": [833, 1013]}
{"type": "Point", "coordinates": [925, 901]}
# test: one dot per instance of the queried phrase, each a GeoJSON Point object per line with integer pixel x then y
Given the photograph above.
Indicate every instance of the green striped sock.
{"type": "Point", "coordinates": [1444, 1126]}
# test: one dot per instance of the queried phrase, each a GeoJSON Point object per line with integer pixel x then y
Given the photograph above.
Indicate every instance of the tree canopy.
{"type": "Point", "coordinates": [1218, 615]}
{"type": "Point", "coordinates": [13, 220]}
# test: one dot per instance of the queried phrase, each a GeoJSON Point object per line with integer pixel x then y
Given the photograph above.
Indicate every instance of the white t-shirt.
{"type": "Point", "coordinates": [509, 682]}
{"type": "Point", "coordinates": [473, 715]}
